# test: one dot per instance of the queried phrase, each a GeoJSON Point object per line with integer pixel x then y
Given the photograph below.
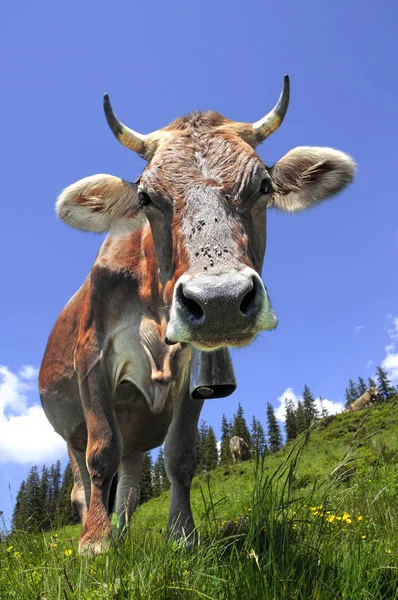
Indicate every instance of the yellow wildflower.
{"type": "Point", "coordinates": [330, 518]}
{"type": "Point", "coordinates": [68, 552]}
{"type": "Point", "coordinates": [388, 551]}
{"type": "Point", "coordinates": [17, 554]}
{"type": "Point", "coordinates": [345, 516]}
{"type": "Point", "coordinates": [53, 545]}
{"type": "Point", "coordinates": [375, 541]}
{"type": "Point", "coordinates": [9, 549]}
{"type": "Point", "coordinates": [348, 521]}
{"type": "Point", "coordinates": [364, 537]}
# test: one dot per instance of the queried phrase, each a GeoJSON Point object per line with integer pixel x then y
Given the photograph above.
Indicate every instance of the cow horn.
{"type": "Point", "coordinates": [270, 123]}
{"type": "Point", "coordinates": [131, 139]}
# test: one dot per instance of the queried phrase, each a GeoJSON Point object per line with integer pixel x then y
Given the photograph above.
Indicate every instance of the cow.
{"type": "Point", "coordinates": [239, 449]}
{"type": "Point", "coordinates": [364, 401]}
{"type": "Point", "coordinates": [179, 270]}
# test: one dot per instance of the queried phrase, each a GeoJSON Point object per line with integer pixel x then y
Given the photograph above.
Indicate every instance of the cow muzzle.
{"type": "Point", "coordinates": [213, 311]}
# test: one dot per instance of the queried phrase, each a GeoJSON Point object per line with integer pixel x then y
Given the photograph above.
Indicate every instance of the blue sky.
{"type": "Point", "coordinates": [331, 272]}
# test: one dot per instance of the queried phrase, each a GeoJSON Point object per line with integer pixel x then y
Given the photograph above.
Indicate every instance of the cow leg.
{"type": "Point", "coordinates": [103, 454]}
{"type": "Point", "coordinates": [80, 496]}
{"type": "Point", "coordinates": [128, 489]}
{"type": "Point", "coordinates": [179, 454]}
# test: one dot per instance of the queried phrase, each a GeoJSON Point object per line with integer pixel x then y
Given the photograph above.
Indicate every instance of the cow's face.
{"type": "Point", "coordinates": [374, 392]}
{"type": "Point", "coordinates": [205, 196]}
{"type": "Point", "coordinates": [205, 193]}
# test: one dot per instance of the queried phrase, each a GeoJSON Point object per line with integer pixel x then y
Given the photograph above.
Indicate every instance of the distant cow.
{"type": "Point", "coordinates": [364, 401]}
{"type": "Point", "coordinates": [239, 449]}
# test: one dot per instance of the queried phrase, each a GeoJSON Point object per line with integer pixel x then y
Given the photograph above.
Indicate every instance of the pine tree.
{"type": "Point", "coordinates": [361, 386]}
{"type": "Point", "coordinates": [226, 429]}
{"type": "Point", "coordinates": [274, 432]}
{"type": "Point", "coordinates": [324, 412]}
{"type": "Point", "coordinates": [210, 454]}
{"type": "Point", "coordinates": [43, 514]}
{"type": "Point", "coordinates": [160, 481]}
{"type": "Point", "coordinates": [55, 486]}
{"type": "Point", "coordinates": [239, 426]}
{"type": "Point", "coordinates": [67, 513]}
{"type": "Point", "coordinates": [33, 507]}
{"type": "Point", "coordinates": [157, 479]}
{"type": "Point", "coordinates": [146, 484]}
{"type": "Point", "coordinates": [386, 390]}
{"type": "Point", "coordinates": [200, 446]}
{"type": "Point", "coordinates": [351, 393]}
{"type": "Point", "coordinates": [19, 516]}
{"type": "Point", "coordinates": [259, 445]}
{"type": "Point", "coordinates": [290, 420]}
{"type": "Point", "coordinates": [309, 406]}
{"type": "Point", "coordinates": [301, 420]}
{"type": "Point", "coordinates": [371, 383]}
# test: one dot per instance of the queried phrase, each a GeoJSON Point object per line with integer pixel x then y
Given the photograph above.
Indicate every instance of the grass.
{"type": "Point", "coordinates": [314, 521]}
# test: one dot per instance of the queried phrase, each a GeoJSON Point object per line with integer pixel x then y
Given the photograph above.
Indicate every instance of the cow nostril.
{"type": "Point", "coordinates": [248, 304]}
{"type": "Point", "coordinates": [193, 309]}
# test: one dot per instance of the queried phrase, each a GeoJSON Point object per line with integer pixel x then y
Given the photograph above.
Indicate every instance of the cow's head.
{"type": "Point", "coordinates": [205, 193]}
{"type": "Point", "coordinates": [374, 391]}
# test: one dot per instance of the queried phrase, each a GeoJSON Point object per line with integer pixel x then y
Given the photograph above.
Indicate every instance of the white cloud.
{"type": "Point", "coordinates": [331, 407]}
{"type": "Point", "coordinates": [28, 372]}
{"type": "Point", "coordinates": [369, 363]}
{"type": "Point", "coordinates": [26, 435]}
{"type": "Point", "coordinates": [390, 362]}
{"type": "Point", "coordinates": [358, 328]}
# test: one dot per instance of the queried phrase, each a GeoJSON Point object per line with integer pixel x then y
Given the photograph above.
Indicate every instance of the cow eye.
{"type": "Point", "coordinates": [144, 199]}
{"type": "Point", "coordinates": [266, 186]}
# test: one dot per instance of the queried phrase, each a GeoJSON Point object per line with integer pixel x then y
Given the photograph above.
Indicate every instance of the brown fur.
{"type": "Point", "coordinates": [239, 449]}
{"type": "Point", "coordinates": [364, 401]}
{"type": "Point", "coordinates": [109, 383]}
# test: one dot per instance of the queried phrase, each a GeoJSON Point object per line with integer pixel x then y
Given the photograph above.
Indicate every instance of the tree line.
{"type": "Point", "coordinates": [385, 388]}
{"type": "Point", "coordinates": [43, 500]}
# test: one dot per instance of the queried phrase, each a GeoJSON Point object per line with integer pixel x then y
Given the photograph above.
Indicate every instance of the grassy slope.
{"type": "Point", "coordinates": [316, 520]}
{"type": "Point", "coordinates": [232, 487]}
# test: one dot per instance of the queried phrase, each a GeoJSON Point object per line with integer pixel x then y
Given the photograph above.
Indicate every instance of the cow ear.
{"type": "Point", "coordinates": [307, 175]}
{"type": "Point", "coordinates": [101, 203]}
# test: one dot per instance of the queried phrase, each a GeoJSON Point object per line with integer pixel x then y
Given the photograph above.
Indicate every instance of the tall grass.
{"type": "Point", "coordinates": [299, 537]}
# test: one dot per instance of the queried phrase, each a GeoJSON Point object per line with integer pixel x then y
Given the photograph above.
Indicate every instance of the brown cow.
{"type": "Point", "coordinates": [364, 401]}
{"type": "Point", "coordinates": [183, 271]}
{"type": "Point", "coordinates": [239, 449]}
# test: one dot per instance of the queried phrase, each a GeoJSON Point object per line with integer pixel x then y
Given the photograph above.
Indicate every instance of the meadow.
{"type": "Point", "coordinates": [316, 520]}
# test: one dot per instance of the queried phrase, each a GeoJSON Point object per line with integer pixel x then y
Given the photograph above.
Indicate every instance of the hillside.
{"type": "Point", "coordinates": [315, 520]}
{"type": "Point", "coordinates": [232, 487]}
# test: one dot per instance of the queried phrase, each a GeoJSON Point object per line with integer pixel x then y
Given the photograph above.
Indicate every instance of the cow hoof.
{"type": "Point", "coordinates": [91, 547]}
